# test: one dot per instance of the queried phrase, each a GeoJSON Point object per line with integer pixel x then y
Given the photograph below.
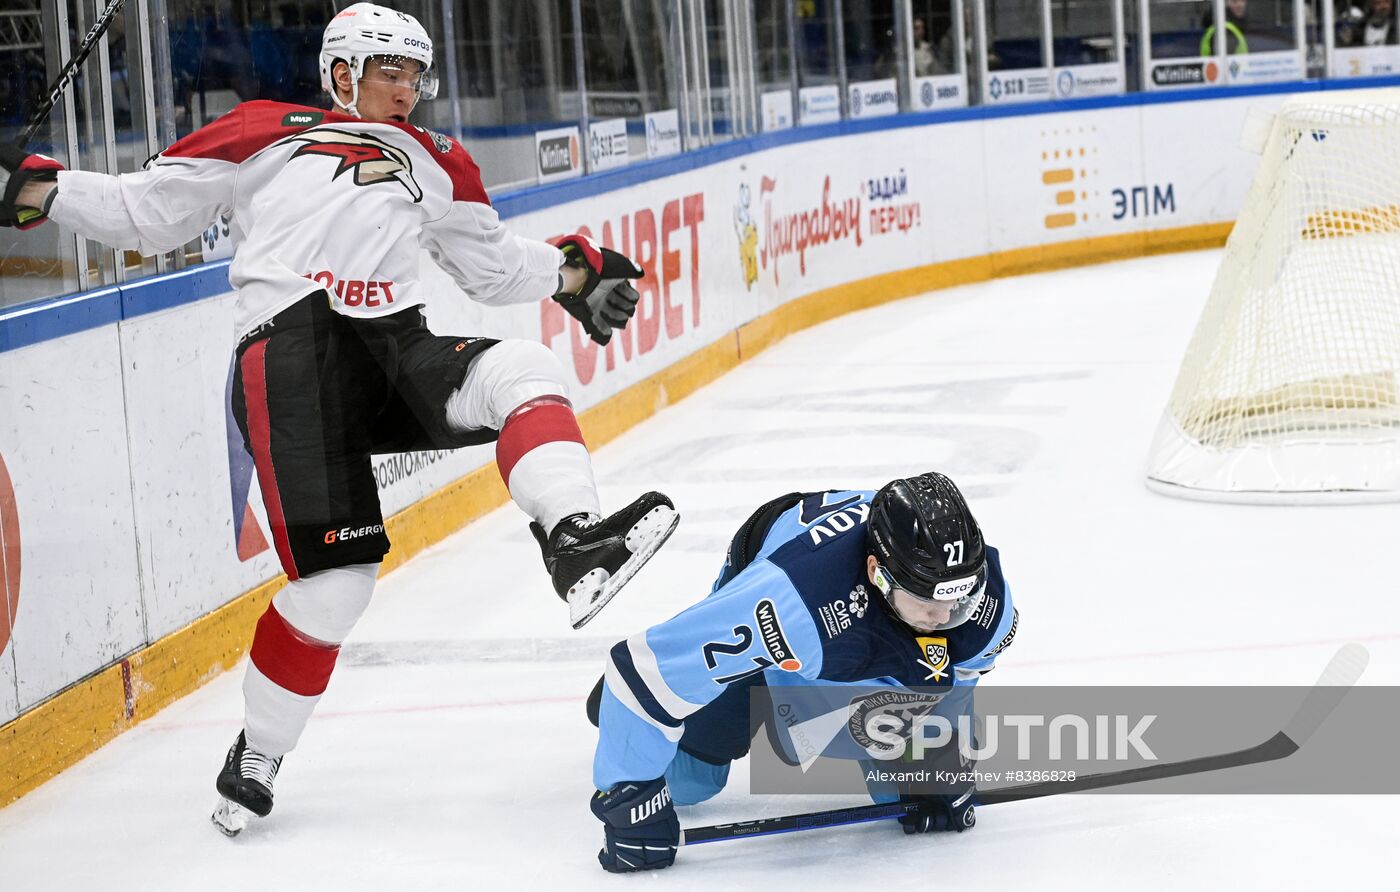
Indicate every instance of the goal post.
{"type": "Point", "coordinates": [1288, 391]}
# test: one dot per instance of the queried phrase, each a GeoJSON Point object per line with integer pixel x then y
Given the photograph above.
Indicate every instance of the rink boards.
{"type": "Point", "coordinates": [135, 551]}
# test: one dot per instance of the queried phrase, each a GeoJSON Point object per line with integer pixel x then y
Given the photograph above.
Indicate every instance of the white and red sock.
{"type": "Point", "coordinates": [517, 388]}
{"type": "Point", "coordinates": [295, 647]}
{"type": "Point", "coordinates": [544, 462]}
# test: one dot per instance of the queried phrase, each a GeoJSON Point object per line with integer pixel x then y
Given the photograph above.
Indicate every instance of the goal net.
{"type": "Point", "coordinates": [1288, 391]}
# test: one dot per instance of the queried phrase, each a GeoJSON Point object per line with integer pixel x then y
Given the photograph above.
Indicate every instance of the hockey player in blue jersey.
{"type": "Point", "coordinates": [793, 603]}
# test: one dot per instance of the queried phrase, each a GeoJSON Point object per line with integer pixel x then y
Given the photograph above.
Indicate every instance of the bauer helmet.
{"type": "Point", "coordinates": [927, 544]}
{"type": "Point", "coordinates": [367, 30]}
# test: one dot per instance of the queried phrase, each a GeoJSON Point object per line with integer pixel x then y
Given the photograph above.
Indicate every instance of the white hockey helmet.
{"type": "Point", "coordinates": [364, 30]}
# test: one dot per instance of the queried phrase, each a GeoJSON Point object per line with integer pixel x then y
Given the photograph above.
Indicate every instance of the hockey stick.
{"type": "Point", "coordinates": [65, 77]}
{"type": "Point", "coordinates": [1341, 673]}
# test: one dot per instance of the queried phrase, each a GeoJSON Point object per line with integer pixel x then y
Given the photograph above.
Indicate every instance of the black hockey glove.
{"type": "Point", "coordinates": [18, 168]}
{"type": "Point", "coordinates": [939, 813]}
{"type": "Point", "coordinates": [640, 827]}
{"type": "Point", "coordinates": [946, 804]}
{"type": "Point", "coordinates": [607, 300]}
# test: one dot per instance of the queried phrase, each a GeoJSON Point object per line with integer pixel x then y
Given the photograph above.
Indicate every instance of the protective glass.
{"type": "Point", "coordinates": [400, 71]}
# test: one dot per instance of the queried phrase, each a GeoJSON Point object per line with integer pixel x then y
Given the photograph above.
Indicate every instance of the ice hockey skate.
{"type": "Point", "coordinates": [590, 559]}
{"type": "Point", "coordinates": [245, 785]}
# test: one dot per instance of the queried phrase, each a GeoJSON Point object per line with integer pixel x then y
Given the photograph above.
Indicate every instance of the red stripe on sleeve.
{"type": "Point", "coordinates": [534, 424]}
{"type": "Point", "coordinates": [289, 659]}
{"type": "Point", "coordinates": [254, 367]}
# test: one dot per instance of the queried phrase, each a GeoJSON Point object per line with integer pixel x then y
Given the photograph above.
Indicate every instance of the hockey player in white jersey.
{"type": "Point", "coordinates": [329, 210]}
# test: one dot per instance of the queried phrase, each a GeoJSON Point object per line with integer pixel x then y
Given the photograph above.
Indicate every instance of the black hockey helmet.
{"type": "Point", "coordinates": [927, 543]}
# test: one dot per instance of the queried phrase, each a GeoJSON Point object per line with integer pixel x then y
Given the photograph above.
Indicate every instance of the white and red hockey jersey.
{"type": "Point", "coordinates": [317, 199]}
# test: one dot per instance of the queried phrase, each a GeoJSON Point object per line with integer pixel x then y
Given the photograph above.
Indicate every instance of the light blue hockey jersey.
{"type": "Point", "coordinates": [802, 609]}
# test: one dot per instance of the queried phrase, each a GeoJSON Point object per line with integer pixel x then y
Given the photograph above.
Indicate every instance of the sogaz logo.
{"type": "Point", "coordinates": [926, 94]}
{"type": "Point", "coordinates": [1065, 83]}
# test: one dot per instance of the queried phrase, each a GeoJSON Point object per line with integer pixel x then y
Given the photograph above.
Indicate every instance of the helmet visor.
{"type": "Point", "coordinates": [943, 590]}
{"type": "Point", "coordinates": [401, 71]}
{"type": "Point", "coordinates": [947, 605]}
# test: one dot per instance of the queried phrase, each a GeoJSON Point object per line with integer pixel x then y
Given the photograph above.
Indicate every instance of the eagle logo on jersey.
{"type": "Point", "coordinates": [372, 161]}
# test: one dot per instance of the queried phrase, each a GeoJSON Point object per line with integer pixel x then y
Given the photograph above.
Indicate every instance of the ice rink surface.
{"type": "Point", "coordinates": [452, 750]}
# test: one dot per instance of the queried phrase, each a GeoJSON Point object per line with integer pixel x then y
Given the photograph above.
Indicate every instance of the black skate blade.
{"type": "Point", "coordinates": [586, 600]}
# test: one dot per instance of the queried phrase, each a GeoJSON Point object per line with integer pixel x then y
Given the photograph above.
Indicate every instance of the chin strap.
{"type": "Point", "coordinates": [350, 107]}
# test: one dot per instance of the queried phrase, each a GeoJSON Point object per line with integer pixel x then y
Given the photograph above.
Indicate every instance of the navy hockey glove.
{"type": "Point", "coordinates": [18, 168]}
{"type": "Point", "coordinates": [939, 813]}
{"type": "Point", "coordinates": [607, 300]}
{"type": "Point", "coordinates": [640, 827]}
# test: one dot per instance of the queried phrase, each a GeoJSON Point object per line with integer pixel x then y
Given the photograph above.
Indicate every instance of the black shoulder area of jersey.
{"type": "Point", "coordinates": [824, 557]}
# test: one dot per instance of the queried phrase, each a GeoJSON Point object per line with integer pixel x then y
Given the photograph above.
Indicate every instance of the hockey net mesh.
{"type": "Point", "coordinates": [1300, 339]}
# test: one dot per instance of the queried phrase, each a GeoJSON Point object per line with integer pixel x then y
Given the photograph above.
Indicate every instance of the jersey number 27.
{"type": "Point", "coordinates": [744, 634]}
